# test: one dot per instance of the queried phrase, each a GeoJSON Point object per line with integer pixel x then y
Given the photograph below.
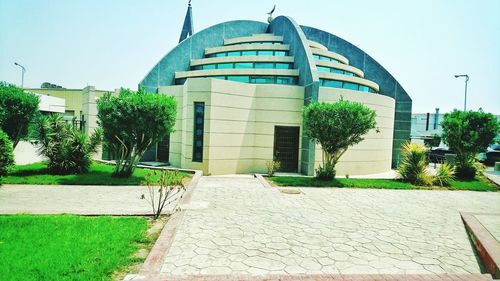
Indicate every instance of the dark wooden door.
{"type": "Point", "coordinates": [286, 147]}
{"type": "Point", "coordinates": [163, 149]}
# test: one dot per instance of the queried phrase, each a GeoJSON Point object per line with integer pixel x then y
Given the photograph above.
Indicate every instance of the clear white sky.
{"type": "Point", "coordinates": [114, 43]}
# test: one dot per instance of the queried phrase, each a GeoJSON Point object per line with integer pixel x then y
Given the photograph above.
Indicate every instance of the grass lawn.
{"type": "Point", "coordinates": [68, 247]}
{"type": "Point", "coordinates": [478, 184]}
{"type": "Point", "coordinates": [100, 174]}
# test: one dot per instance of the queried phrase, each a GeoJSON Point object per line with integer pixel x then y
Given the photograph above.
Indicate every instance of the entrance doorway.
{"type": "Point", "coordinates": [286, 147]}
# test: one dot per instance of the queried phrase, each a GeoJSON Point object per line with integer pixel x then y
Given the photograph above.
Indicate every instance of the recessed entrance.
{"type": "Point", "coordinates": [286, 147]}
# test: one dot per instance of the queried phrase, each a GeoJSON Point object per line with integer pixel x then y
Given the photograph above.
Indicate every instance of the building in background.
{"type": "Point", "coordinates": [25, 152]}
{"type": "Point", "coordinates": [241, 86]}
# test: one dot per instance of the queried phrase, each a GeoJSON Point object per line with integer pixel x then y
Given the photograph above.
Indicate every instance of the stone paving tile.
{"type": "Point", "coordinates": [251, 230]}
{"type": "Point", "coordinates": [74, 199]}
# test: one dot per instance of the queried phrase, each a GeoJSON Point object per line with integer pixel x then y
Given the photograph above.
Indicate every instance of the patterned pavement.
{"type": "Point", "coordinates": [236, 227]}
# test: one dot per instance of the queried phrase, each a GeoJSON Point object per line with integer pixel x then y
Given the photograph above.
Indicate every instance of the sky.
{"type": "Point", "coordinates": [114, 43]}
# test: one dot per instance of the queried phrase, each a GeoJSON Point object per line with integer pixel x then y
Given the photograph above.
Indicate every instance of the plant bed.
{"type": "Point", "coordinates": [478, 184]}
{"type": "Point", "coordinates": [68, 247]}
{"type": "Point", "coordinates": [99, 174]}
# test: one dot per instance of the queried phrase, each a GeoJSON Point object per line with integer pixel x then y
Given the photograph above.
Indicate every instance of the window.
{"type": "Point", "coordinates": [244, 79]}
{"type": "Point", "coordinates": [316, 57]}
{"type": "Point", "coordinates": [264, 65]}
{"type": "Point", "coordinates": [224, 65]}
{"type": "Point", "coordinates": [208, 66]}
{"type": "Point", "coordinates": [323, 69]}
{"type": "Point", "coordinates": [286, 80]}
{"type": "Point", "coordinates": [249, 53]}
{"type": "Point", "coordinates": [332, 83]}
{"type": "Point", "coordinates": [243, 65]}
{"type": "Point", "coordinates": [280, 53]}
{"type": "Point", "coordinates": [265, 53]}
{"type": "Point", "coordinates": [348, 73]}
{"type": "Point", "coordinates": [180, 81]}
{"type": "Point", "coordinates": [283, 66]}
{"type": "Point", "coordinates": [262, 79]}
{"type": "Point", "coordinates": [234, 54]}
{"type": "Point", "coordinates": [218, 77]}
{"type": "Point", "coordinates": [197, 67]}
{"type": "Point", "coordinates": [218, 55]}
{"type": "Point", "coordinates": [350, 86]}
{"type": "Point", "coordinates": [364, 88]}
{"type": "Point", "coordinates": [199, 116]}
{"type": "Point", "coordinates": [324, 58]}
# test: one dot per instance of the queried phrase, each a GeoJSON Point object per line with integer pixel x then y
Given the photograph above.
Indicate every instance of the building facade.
{"type": "Point", "coordinates": [241, 87]}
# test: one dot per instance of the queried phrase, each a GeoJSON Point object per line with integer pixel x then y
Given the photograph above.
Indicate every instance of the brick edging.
{"type": "Point", "coordinates": [486, 245]}
{"type": "Point", "coordinates": [156, 258]}
{"type": "Point", "coordinates": [262, 180]}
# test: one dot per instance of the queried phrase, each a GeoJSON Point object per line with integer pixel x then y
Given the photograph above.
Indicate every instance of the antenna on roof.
{"type": "Point", "coordinates": [270, 18]}
{"type": "Point", "coordinates": [187, 27]}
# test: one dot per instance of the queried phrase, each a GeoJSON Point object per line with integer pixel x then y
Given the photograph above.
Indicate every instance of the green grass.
{"type": "Point", "coordinates": [67, 247]}
{"type": "Point", "coordinates": [99, 174]}
{"type": "Point", "coordinates": [478, 184]}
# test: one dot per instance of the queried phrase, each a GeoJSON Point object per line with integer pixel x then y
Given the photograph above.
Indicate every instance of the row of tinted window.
{"type": "Point", "coordinates": [254, 79]}
{"type": "Point", "coordinates": [346, 85]}
{"type": "Point", "coordinates": [239, 65]}
{"type": "Point", "coordinates": [334, 70]}
{"type": "Point", "coordinates": [259, 43]}
{"type": "Point", "coordinates": [319, 57]}
{"type": "Point", "coordinates": [249, 53]}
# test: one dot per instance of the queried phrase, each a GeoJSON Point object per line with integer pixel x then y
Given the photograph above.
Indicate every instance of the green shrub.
{"type": "Point", "coordinates": [336, 127]}
{"type": "Point", "coordinates": [273, 167]}
{"type": "Point", "coordinates": [6, 154]}
{"type": "Point", "coordinates": [68, 150]}
{"type": "Point", "coordinates": [132, 122]}
{"type": "Point", "coordinates": [17, 109]}
{"type": "Point", "coordinates": [468, 133]}
{"type": "Point", "coordinates": [326, 172]}
{"type": "Point", "coordinates": [413, 165]}
{"type": "Point", "coordinates": [445, 174]}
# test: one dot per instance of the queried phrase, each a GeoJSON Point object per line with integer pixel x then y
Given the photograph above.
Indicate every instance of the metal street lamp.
{"type": "Point", "coordinates": [466, 80]}
{"type": "Point", "coordinates": [23, 70]}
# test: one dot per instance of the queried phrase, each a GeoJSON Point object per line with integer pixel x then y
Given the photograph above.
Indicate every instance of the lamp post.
{"type": "Point", "coordinates": [466, 80]}
{"type": "Point", "coordinates": [23, 70]}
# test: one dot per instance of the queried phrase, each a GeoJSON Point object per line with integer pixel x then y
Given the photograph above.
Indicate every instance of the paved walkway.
{"type": "Point", "coordinates": [240, 227]}
{"type": "Point", "coordinates": [73, 199]}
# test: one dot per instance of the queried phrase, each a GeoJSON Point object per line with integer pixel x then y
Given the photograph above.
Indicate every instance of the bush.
{"type": "Point", "coordinates": [336, 126]}
{"type": "Point", "coordinates": [273, 167]}
{"type": "Point", "coordinates": [68, 150]}
{"type": "Point", "coordinates": [164, 192]}
{"type": "Point", "coordinates": [432, 141]}
{"type": "Point", "coordinates": [468, 133]}
{"type": "Point", "coordinates": [326, 172]}
{"type": "Point", "coordinates": [17, 109]}
{"type": "Point", "coordinates": [413, 165]}
{"type": "Point", "coordinates": [6, 154]}
{"type": "Point", "coordinates": [445, 174]}
{"type": "Point", "coordinates": [132, 122]}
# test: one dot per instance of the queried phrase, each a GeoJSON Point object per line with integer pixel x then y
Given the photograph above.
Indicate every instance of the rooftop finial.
{"type": "Point", "coordinates": [187, 28]}
{"type": "Point", "coordinates": [270, 18]}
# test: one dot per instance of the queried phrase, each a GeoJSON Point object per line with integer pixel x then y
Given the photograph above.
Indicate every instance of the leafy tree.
{"type": "Point", "coordinates": [17, 109]}
{"type": "Point", "coordinates": [336, 126]}
{"type": "Point", "coordinates": [68, 150]}
{"type": "Point", "coordinates": [468, 133]}
{"type": "Point", "coordinates": [6, 154]}
{"type": "Point", "coordinates": [432, 141]}
{"type": "Point", "coordinates": [132, 121]}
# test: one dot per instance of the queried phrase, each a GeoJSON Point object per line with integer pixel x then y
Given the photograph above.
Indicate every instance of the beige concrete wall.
{"type": "Point", "coordinates": [240, 119]}
{"type": "Point", "coordinates": [73, 97]}
{"type": "Point", "coordinates": [239, 123]}
{"type": "Point", "coordinates": [374, 154]}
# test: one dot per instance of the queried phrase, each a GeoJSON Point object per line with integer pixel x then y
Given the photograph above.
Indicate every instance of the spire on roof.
{"type": "Point", "coordinates": [187, 28]}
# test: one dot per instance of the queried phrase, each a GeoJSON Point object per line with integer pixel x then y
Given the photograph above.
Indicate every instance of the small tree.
{"type": "Point", "coordinates": [413, 165]}
{"type": "Point", "coordinates": [468, 133]}
{"type": "Point", "coordinates": [6, 154]}
{"type": "Point", "coordinates": [336, 126]}
{"type": "Point", "coordinates": [17, 109]}
{"type": "Point", "coordinates": [432, 141]}
{"type": "Point", "coordinates": [132, 121]}
{"type": "Point", "coordinates": [164, 192]}
{"type": "Point", "coordinates": [68, 150]}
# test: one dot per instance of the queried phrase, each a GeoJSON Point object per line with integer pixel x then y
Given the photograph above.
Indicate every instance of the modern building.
{"type": "Point", "coordinates": [241, 87]}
